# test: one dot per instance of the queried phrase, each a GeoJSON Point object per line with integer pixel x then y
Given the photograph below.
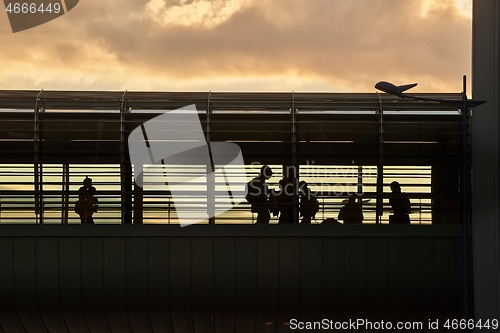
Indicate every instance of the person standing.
{"type": "Point", "coordinates": [258, 194]}
{"type": "Point", "coordinates": [401, 205]}
{"type": "Point", "coordinates": [309, 204]}
{"type": "Point", "coordinates": [283, 201]}
{"type": "Point", "coordinates": [86, 205]}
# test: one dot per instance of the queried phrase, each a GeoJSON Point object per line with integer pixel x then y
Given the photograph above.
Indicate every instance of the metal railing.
{"type": "Point", "coordinates": [51, 140]}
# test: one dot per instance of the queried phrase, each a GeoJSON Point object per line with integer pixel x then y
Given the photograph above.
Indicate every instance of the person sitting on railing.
{"type": "Point", "coordinates": [258, 194]}
{"type": "Point", "coordinates": [351, 213]}
{"type": "Point", "coordinates": [401, 205]}
{"type": "Point", "coordinates": [309, 204]}
{"type": "Point", "coordinates": [86, 205]}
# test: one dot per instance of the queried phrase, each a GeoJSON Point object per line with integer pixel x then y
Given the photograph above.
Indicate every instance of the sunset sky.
{"type": "Point", "coordinates": [242, 45]}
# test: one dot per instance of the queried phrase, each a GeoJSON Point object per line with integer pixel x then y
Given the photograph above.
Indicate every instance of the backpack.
{"type": "Point", "coordinates": [309, 205]}
{"type": "Point", "coordinates": [330, 220]}
{"type": "Point", "coordinates": [407, 205]}
{"type": "Point", "coordinates": [401, 204]}
{"type": "Point", "coordinates": [86, 206]}
{"type": "Point", "coordinates": [254, 194]}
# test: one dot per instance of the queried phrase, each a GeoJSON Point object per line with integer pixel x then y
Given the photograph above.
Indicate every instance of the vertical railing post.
{"type": "Point", "coordinates": [169, 207]}
{"type": "Point", "coordinates": [380, 165]}
{"type": "Point", "coordinates": [464, 188]}
{"type": "Point", "coordinates": [210, 167]}
{"type": "Point", "coordinates": [37, 163]}
{"type": "Point", "coordinates": [420, 211]}
{"type": "Point", "coordinates": [294, 177]}
{"type": "Point", "coordinates": [359, 188]}
{"type": "Point", "coordinates": [65, 196]}
{"type": "Point", "coordinates": [125, 167]}
{"type": "Point", "coordinates": [138, 197]}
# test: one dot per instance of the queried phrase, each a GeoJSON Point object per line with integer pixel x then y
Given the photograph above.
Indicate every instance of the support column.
{"type": "Point", "coordinates": [294, 175]}
{"type": "Point", "coordinates": [125, 166]}
{"type": "Point", "coordinates": [138, 199]}
{"type": "Point", "coordinates": [485, 158]}
{"type": "Point", "coordinates": [65, 196]}
{"type": "Point", "coordinates": [380, 165]}
{"type": "Point", "coordinates": [210, 168]}
{"type": "Point", "coordinates": [38, 163]}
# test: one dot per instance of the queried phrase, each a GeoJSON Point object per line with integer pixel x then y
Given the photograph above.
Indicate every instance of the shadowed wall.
{"type": "Point", "coordinates": [150, 278]}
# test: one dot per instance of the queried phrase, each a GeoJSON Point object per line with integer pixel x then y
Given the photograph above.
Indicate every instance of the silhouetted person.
{"type": "Point", "coordinates": [86, 205]}
{"type": "Point", "coordinates": [282, 201]}
{"type": "Point", "coordinates": [351, 213]}
{"type": "Point", "coordinates": [309, 205]}
{"type": "Point", "coordinates": [258, 194]}
{"type": "Point", "coordinates": [401, 205]}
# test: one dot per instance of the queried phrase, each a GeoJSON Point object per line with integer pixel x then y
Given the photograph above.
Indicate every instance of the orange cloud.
{"type": "Point", "coordinates": [329, 45]}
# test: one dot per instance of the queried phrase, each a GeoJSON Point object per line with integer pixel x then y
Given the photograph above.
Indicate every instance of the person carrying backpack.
{"type": "Point", "coordinates": [258, 194]}
{"type": "Point", "coordinates": [86, 205]}
{"type": "Point", "coordinates": [282, 201]}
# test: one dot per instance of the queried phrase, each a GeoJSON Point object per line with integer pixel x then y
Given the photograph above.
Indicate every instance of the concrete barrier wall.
{"type": "Point", "coordinates": [150, 278]}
